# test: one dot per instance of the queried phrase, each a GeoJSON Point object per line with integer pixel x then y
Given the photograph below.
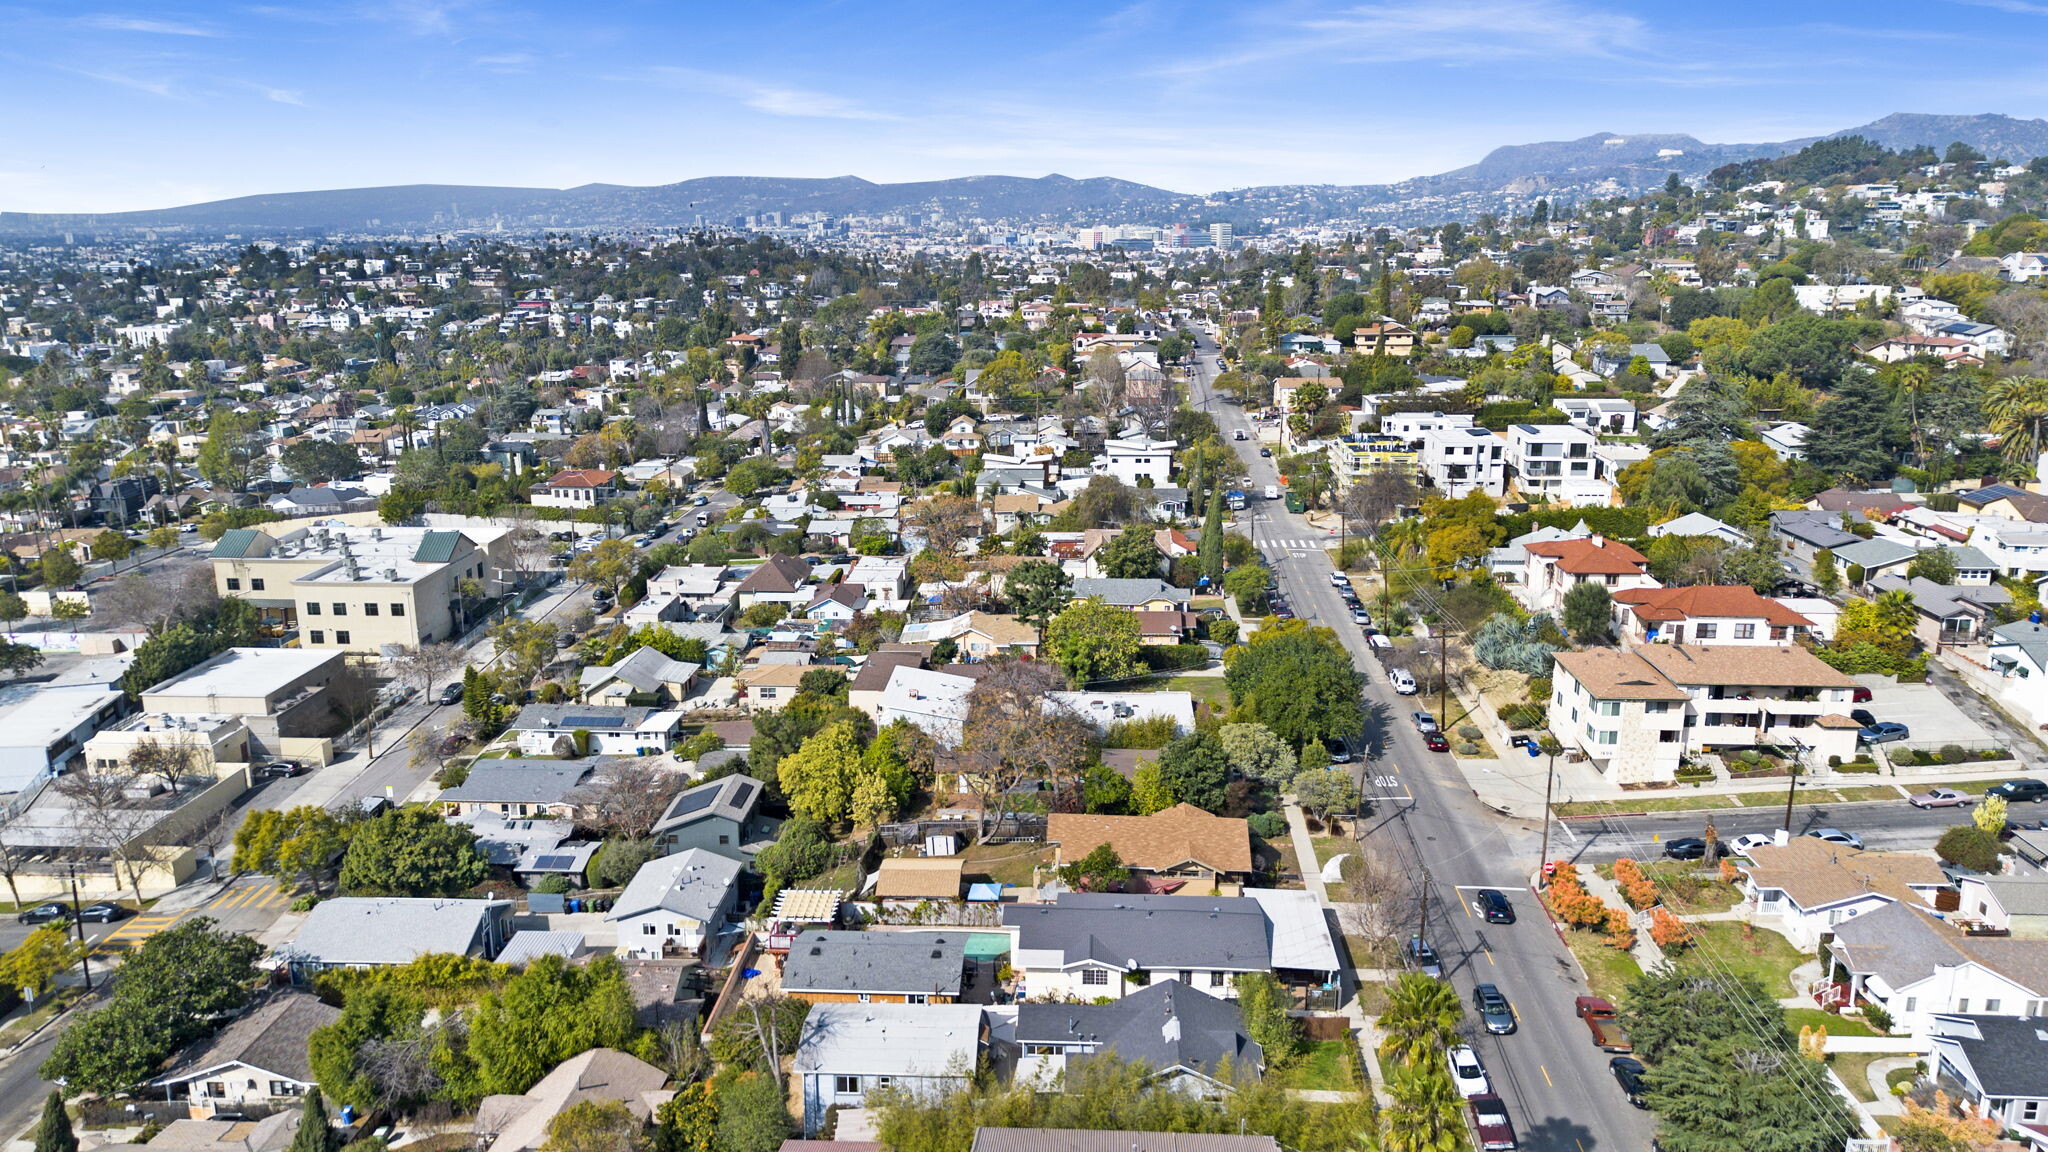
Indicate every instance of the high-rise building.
{"type": "Point", "coordinates": [1219, 234]}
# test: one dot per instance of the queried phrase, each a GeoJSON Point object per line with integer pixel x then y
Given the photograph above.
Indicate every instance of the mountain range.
{"type": "Point", "coordinates": [1603, 164]}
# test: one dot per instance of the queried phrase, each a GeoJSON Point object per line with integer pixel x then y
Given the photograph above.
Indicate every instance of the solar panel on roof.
{"type": "Point", "coordinates": [554, 863]}
{"type": "Point", "coordinates": [694, 801]}
{"type": "Point", "coordinates": [588, 721]}
{"type": "Point", "coordinates": [743, 794]}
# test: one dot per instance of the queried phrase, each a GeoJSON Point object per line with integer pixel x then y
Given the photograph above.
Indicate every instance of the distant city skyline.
{"type": "Point", "coordinates": [129, 108]}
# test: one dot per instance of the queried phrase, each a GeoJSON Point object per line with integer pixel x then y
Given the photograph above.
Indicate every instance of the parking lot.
{"type": "Point", "coordinates": [1933, 717]}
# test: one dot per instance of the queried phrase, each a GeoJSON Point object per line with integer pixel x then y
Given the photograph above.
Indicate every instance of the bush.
{"type": "Point", "coordinates": [1539, 690]}
{"type": "Point", "coordinates": [1878, 1017]}
{"type": "Point", "coordinates": [303, 903]}
{"type": "Point", "coordinates": [1969, 846]}
{"type": "Point", "coordinates": [1858, 768]}
{"type": "Point", "coordinates": [452, 775]}
{"type": "Point", "coordinates": [1223, 630]}
{"type": "Point", "coordinates": [1468, 749]}
{"type": "Point", "coordinates": [1173, 657]}
{"type": "Point", "coordinates": [553, 884]}
{"type": "Point", "coordinates": [1750, 756]}
{"type": "Point", "coordinates": [1267, 825]}
{"type": "Point", "coordinates": [1953, 754]}
{"type": "Point", "coordinates": [1469, 733]}
{"type": "Point", "coordinates": [1524, 715]}
{"type": "Point", "coordinates": [1151, 732]}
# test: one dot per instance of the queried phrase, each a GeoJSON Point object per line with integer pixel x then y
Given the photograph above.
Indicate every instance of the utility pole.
{"type": "Point", "coordinates": [1550, 748]}
{"type": "Point", "coordinates": [1422, 928]}
{"type": "Point", "coordinates": [1791, 783]}
{"type": "Point", "coordinates": [78, 926]}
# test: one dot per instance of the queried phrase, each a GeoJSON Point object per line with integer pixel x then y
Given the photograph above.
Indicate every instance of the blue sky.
{"type": "Point", "coordinates": [122, 105]}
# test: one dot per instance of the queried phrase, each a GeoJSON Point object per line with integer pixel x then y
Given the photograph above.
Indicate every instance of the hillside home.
{"type": "Point", "coordinates": [1705, 614]}
{"type": "Point", "coordinates": [675, 905]}
{"type": "Point", "coordinates": [1554, 567]}
{"type": "Point", "coordinates": [1459, 460]}
{"type": "Point", "coordinates": [719, 816]}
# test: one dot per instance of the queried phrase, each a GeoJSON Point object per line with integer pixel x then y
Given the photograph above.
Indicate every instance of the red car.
{"type": "Point", "coordinates": [1859, 695]}
{"type": "Point", "coordinates": [1436, 741]}
{"type": "Point", "coordinates": [1490, 1119]}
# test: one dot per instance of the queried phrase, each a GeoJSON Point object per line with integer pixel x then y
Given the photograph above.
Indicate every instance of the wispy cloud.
{"type": "Point", "coordinates": [2016, 7]}
{"type": "Point", "coordinates": [1404, 31]}
{"type": "Point", "coordinates": [506, 62]}
{"type": "Point", "coordinates": [153, 27]}
{"type": "Point", "coordinates": [154, 85]}
{"type": "Point", "coordinates": [291, 96]}
{"type": "Point", "coordinates": [769, 99]}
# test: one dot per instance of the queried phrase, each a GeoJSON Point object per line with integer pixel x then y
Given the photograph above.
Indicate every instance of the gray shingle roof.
{"type": "Point", "coordinates": [693, 883]}
{"type": "Point", "coordinates": [1167, 1025]}
{"type": "Point", "coordinates": [590, 717]}
{"type": "Point", "coordinates": [1819, 529]}
{"type": "Point", "coordinates": [1166, 932]}
{"type": "Point", "coordinates": [499, 781]}
{"type": "Point", "coordinates": [390, 929]}
{"type": "Point", "coordinates": [2009, 1055]}
{"type": "Point", "coordinates": [270, 1036]}
{"type": "Point", "coordinates": [920, 963]}
{"type": "Point", "coordinates": [1124, 593]}
{"type": "Point", "coordinates": [732, 797]}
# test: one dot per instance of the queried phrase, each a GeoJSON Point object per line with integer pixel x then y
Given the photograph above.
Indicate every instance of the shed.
{"type": "Point", "coordinates": [920, 878]}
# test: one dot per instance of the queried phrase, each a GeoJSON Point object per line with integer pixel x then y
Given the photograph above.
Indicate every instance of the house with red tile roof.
{"type": "Point", "coordinates": [576, 488]}
{"type": "Point", "coordinates": [1705, 614]}
{"type": "Point", "coordinates": [1554, 566]}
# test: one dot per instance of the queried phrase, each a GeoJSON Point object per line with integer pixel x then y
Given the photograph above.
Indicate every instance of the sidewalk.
{"type": "Point", "coordinates": [1305, 852]}
{"type": "Point", "coordinates": [1646, 951]}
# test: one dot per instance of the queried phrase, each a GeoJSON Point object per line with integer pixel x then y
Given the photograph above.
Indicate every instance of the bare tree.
{"type": "Point", "coordinates": [425, 665]}
{"type": "Point", "coordinates": [172, 761]}
{"type": "Point", "coordinates": [353, 693]}
{"type": "Point", "coordinates": [14, 861]}
{"type": "Point", "coordinates": [109, 818]}
{"type": "Point", "coordinates": [156, 603]}
{"type": "Point", "coordinates": [1380, 907]}
{"type": "Point", "coordinates": [1374, 499]}
{"type": "Point", "coordinates": [1010, 738]}
{"type": "Point", "coordinates": [946, 521]}
{"type": "Point", "coordinates": [531, 551]}
{"type": "Point", "coordinates": [625, 797]}
{"type": "Point", "coordinates": [962, 598]}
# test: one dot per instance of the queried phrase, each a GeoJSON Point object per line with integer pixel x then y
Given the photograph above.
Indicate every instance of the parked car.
{"type": "Point", "coordinates": [1424, 957]}
{"type": "Point", "coordinates": [1337, 580]}
{"type": "Point", "coordinates": [1360, 616]}
{"type": "Point", "coordinates": [452, 694]}
{"type": "Point", "coordinates": [1340, 753]}
{"type": "Point", "coordinates": [1494, 1010]}
{"type": "Point", "coordinates": [1492, 906]}
{"type": "Point", "coordinates": [1837, 836]}
{"type": "Point", "coordinates": [1862, 717]}
{"type": "Point", "coordinates": [1468, 1075]}
{"type": "Point", "coordinates": [44, 914]}
{"type": "Point", "coordinates": [104, 912]}
{"type": "Point", "coordinates": [1686, 848]}
{"type": "Point", "coordinates": [1490, 1120]}
{"type": "Point", "coordinates": [1238, 435]}
{"type": "Point", "coordinates": [1403, 683]}
{"type": "Point", "coordinates": [2013, 791]}
{"type": "Point", "coordinates": [1424, 722]}
{"type": "Point", "coordinates": [1628, 1072]}
{"type": "Point", "coordinates": [1602, 1022]}
{"type": "Point", "coordinates": [1859, 695]}
{"type": "Point", "coordinates": [278, 769]}
{"type": "Point", "coordinates": [1885, 733]}
{"type": "Point", "coordinates": [1941, 798]}
{"type": "Point", "coordinates": [1748, 840]}
{"type": "Point", "coordinates": [1267, 452]}
{"type": "Point", "coordinates": [1436, 742]}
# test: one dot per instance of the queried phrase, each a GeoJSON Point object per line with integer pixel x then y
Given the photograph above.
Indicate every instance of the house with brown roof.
{"type": "Point", "coordinates": [1705, 614]}
{"type": "Point", "coordinates": [1554, 567]}
{"type": "Point", "coordinates": [576, 488]}
{"type": "Point", "coordinates": [778, 580]}
{"type": "Point", "coordinates": [1805, 887]}
{"type": "Point", "coordinates": [1182, 842]}
{"type": "Point", "coordinates": [599, 1075]}
{"type": "Point", "coordinates": [1167, 627]}
{"type": "Point", "coordinates": [767, 687]}
{"type": "Point", "coordinates": [1637, 714]}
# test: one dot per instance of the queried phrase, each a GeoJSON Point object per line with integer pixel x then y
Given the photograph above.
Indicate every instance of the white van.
{"type": "Point", "coordinates": [1272, 491]}
{"type": "Point", "coordinates": [1403, 683]}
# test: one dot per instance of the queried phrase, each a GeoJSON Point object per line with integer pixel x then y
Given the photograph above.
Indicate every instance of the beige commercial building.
{"type": "Point", "coordinates": [365, 589]}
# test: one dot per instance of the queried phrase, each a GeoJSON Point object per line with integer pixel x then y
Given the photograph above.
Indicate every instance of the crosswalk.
{"type": "Point", "coordinates": [1317, 544]}
{"type": "Point", "coordinates": [250, 897]}
{"type": "Point", "coordinates": [136, 929]}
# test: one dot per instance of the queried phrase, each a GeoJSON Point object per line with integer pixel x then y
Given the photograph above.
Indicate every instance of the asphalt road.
{"type": "Point", "coordinates": [1556, 1084]}
{"type": "Point", "coordinates": [1885, 825]}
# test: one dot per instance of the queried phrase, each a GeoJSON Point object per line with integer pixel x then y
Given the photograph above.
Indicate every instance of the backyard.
{"type": "Point", "coordinates": [1761, 954]}
{"type": "Point", "coordinates": [1325, 1065]}
{"type": "Point", "coordinates": [1005, 863]}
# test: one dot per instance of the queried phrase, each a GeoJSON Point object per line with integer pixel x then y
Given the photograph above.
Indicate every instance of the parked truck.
{"type": "Point", "coordinates": [1603, 1024]}
{"type": "Point", "coordinates": [1236, 499]}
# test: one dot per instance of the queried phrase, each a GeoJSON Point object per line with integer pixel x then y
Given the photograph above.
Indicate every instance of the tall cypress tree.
{"type": "Point", "coordinates": [314, 1134]}
{"type": "Point", "coordinates": [1209, 549]}
{"type": "Point", "coordinates": [53, 1131]}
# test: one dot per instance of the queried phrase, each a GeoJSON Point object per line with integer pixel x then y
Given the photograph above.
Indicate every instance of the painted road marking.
{"type": "Point", "coordinates": [252, 897]}
{"type": "Point", "coordinates": [138, 928]}
{"type": "Point", "coordinates": [1546, 1075]}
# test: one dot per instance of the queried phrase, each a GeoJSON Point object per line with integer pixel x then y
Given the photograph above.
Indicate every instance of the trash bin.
{"type": "Point", "coordinates": [575, 905]}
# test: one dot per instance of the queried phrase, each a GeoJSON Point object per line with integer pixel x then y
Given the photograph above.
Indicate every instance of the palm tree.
{"type": "Point", "coordinates": [1915, 378]}
{"type": "Point", "coordinates": [1421, 1019]}
{"type": "Point", "coordinates": [1427, 1114]}
{"type": "Point", "coordinates": [2017, 406]}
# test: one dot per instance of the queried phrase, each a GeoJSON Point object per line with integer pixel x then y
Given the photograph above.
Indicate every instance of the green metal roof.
{"type": "Point", "coordinates": [437, 547]}
{"type": "Point", "coordinates": [235, 543]}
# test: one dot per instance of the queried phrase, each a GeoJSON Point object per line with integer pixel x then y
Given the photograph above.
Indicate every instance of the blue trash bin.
{"type": "Point", "coordinates": [575, 905]}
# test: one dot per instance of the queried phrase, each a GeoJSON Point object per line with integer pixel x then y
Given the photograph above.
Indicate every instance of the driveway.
{"type": "Point", "coordinates": [1932, 716]}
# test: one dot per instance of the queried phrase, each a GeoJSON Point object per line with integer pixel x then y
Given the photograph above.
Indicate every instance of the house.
{"type": "Point", "coordinates": [1908, 962]}
{"type": "Point", "coordinates": [1611, 415]}
{"type": "Point", "coordinates": [1543, 459]}
{"type": "Point", "coordinates": [1701, 524]}
{"type": "Point", "coordinates": [1805, 887]}
{"type": "Point", "coordinates": [778, 580]}
{"type": "Point", "coordinates": [594, 730]}
{"type": "Point", "coordinates": [830, 967]}
{"type": "Point", "coordinates": [1461, 459]}
{"type": "Point", "coordinates": [386, 931]}
{"type": "Point", "coordinates": [1190, 1040]}
{"type": "Point", "coordinates": [323, 501]}
{"type": "Point", "coordinates": [836, 603]}
{"type": "Point", "coordinates": [1182, 842]}
{"type": "Point", "coordinates": [273, 1133]}
{"type": "Point", "coordinates": [1994, 1067]}
{"type": "Point", "coordinates": [2007, 503]}
{"type": "Point", "coordinates": [259, 1058]}
{"type": "Point", "coordinates": [519, 788]}
{"type": "Point", "coordinates": [864, 692]}
{"type": "Point", "coordinates": [1804, 533]}
{"type": "Point", "coordinates": [719, 816]}
{"type": "Point", "coordinates": [1133, 459]}
{"type": "Point", "coordinates": [1787, 440]}
{"type": "Point", "coordinates": [599, 1075]}
{"type": "Point", "coordinates": [1635, 714]}
{"type": "Point", "coordinates": [1087, 944]}
{"type": "Point", "coordinates": [977, 635]}
{"type": "Point", "coordinates": [576, 488]}
{"type": "Point", "coordinates": [934, 701]}
{"type": "Point", "coordinates": [920, 879]}
{"type": "Point", "coordinates": [1146, 595]}
{"type": "Point", "coordinates": [645, 673]}
{"type": "Point", "coordinates": [1706, 614]}
{"type": "Point", "coordinates": [1554, 567]}
{"type": "Point", "coordinates": [1167, 627]}
{"type": "Point", "coordinates": [2018, 656]}
{"type": "Point", "coordinates": [1387, 338]}
{"type": "Point", "coordinates": [2015, 905]}
{"type": "Point", "coordinates": [1876, 556]}
{"type": "Point", "coordinates": [848, 1050]}
{"type": "Point", "coordinates": [675, 904]}
{"type": "Point", "coordinates": [1947, 613]}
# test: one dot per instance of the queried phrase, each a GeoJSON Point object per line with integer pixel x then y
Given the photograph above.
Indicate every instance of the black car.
{"type": "Point", "coordinates": [1686, 848]}
{"type": "Point", "coordinates": [1493, 907]}
{"type": "Point", "coordinates": [2013, 791]}
{"type": "Point", "coordinates": [452, 694]}
{"type": "Point", "coordinates": [1862, 717]}
{"type": "Point", "coordinates": [104, 912]}
{"type": "Point", "coordinates": [1628, 1072]}
{"type": "Point", "coordinates": [44, 914]}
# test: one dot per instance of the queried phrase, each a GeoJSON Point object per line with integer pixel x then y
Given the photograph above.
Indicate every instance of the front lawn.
{"type": "Point", "coordinates": [1763, 954]}
{"type": "Point", "coordinates": [1797, 1018]}
{"type": "Point", "coordinates": [1689, 890]}
{"type": "Point", "coordinates": [1692, 803]}
{"type": "Point", "coordinates": [1608, 970]}
{"type": "Point", "coordinates": [1208, 690]}
{"type": "Point", "coordinates": [1854, 1069]}
{"type": "Point", "coordinates": [1325, 1065]}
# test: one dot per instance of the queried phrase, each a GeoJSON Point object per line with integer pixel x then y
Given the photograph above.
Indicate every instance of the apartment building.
{"type": "Point", "coordinates": [1706, 614]}
{"type": "Point", "coordinates": [1637, 714]}
{"type": "Point", "coordinates": [1546, 459]}
{"type": "Point", "coordinates": [1459, 460]}
{"type": "Point", "coordinates": [364, 589]}
{"type": "Point", "coordinates": [1352, 458]}
{"type": "Point", "coordinates": [1552, 567]}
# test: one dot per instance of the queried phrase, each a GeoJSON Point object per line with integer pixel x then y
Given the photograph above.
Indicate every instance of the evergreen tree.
{"type": "Point", "coordinates": [314, 1134]}
{"type": "Point", "coordinates": [1852, 432]}
{"type": "Point", "coordinates": [1209, 549]}
{"type": "Point", "coordinates": [53, 1131]}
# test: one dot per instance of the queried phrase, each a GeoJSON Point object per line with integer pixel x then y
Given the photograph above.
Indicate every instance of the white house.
{"type": "Point", "coordinates": [1086, 945]}
{"type": "Point", "coordinates": [1135, 458]}
{"type": "Point", "coordinates": [1458, 460]}
{"type": "Point", "coordinates": [1995, 1067]}
{"type": "Point", "coordinates": [1706, 614]}
{"type": "Point", "coordinates": [1552, 568]}
{"type": "Point", "coordinates": [576, 488]}
{"type": "Point", "coordinates": [1904, 959]}
{"type": "Point", "coordinates": [849, 1050]}
{"type": "Point", "coordinates": [933, 701]}
{"type": "Point", "coordinates": [1805, 887]}
{"type": "Point", "coordinates": [675, 904]}
{"type": "Point", "coordinates": [259, 1058]}
{"type": "Point", "coordinates": [599, 729]}
{"type": "Point", "coordinates": [1610, 414]}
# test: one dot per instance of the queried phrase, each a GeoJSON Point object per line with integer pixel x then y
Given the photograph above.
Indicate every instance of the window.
{"type": "Point", "coordinates": [234, 585]}
{"type": "Point", "coordinates": [1657, 706]}
{"type": "Point", "coordinates": [911, 998]}
{"type": "Point", "coordinates": [846, 1085]}
{"type": "Point", "coordinates": [286, 1088]}
{"type": "Point", "coordinates": [369, 609]}
{"type": "Point", "coordinates": [1609, 737]}
{"type": "Point", "coordinates": [1668, 736]}
{"type": "Point", "coordinates": [647, 930]}
{"type": "Point", "coordinates": [398, 609]}
{"type": "Point", "coordinates": [312, 609]}
{"type": "Point", "coordinates": [2030, 1109]}
{"type": "Point", "coordinates": [1991, 1006]}
{"type": "Point", "coordinates": [1215, 979]}
{"type": "Point", "coordinates": [1706, 631]}
{"type": "Point", "coordinates": [341, 637]}
{"type": "Point", "coordinates": [1912, 1002]}
{"type": "Point", "coordinates": [319, 637]}
{"type": "Point", "coordinates": [1745, 631]}
{"type": "Point", "coordinates": [256, 585]}
{"type": "Point", "coordinates": [1187, 976]}
{"type": "Point", "coordinates": [1608, 708]}
{"type": "Point", "coordinates": [1778, 631]}
{"type": "Point", "coordinates": [341, 609]}
{"type": "Point", "coordinates": [1094, 976]}
{"type": "Point", "coordinates": [1963, 1005]}
{"type": "Point", "coordinates": [724, 839]}
{"type": "Point", "coordinates": [865, 998]}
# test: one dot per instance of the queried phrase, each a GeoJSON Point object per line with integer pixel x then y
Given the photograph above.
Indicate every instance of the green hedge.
{"type": "Point", "coordinates": [1623, 523]}
{"type": "Point", "coordinates": [1173, 657]}
{"type": "Point", "coordinates": [1858, 768]}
